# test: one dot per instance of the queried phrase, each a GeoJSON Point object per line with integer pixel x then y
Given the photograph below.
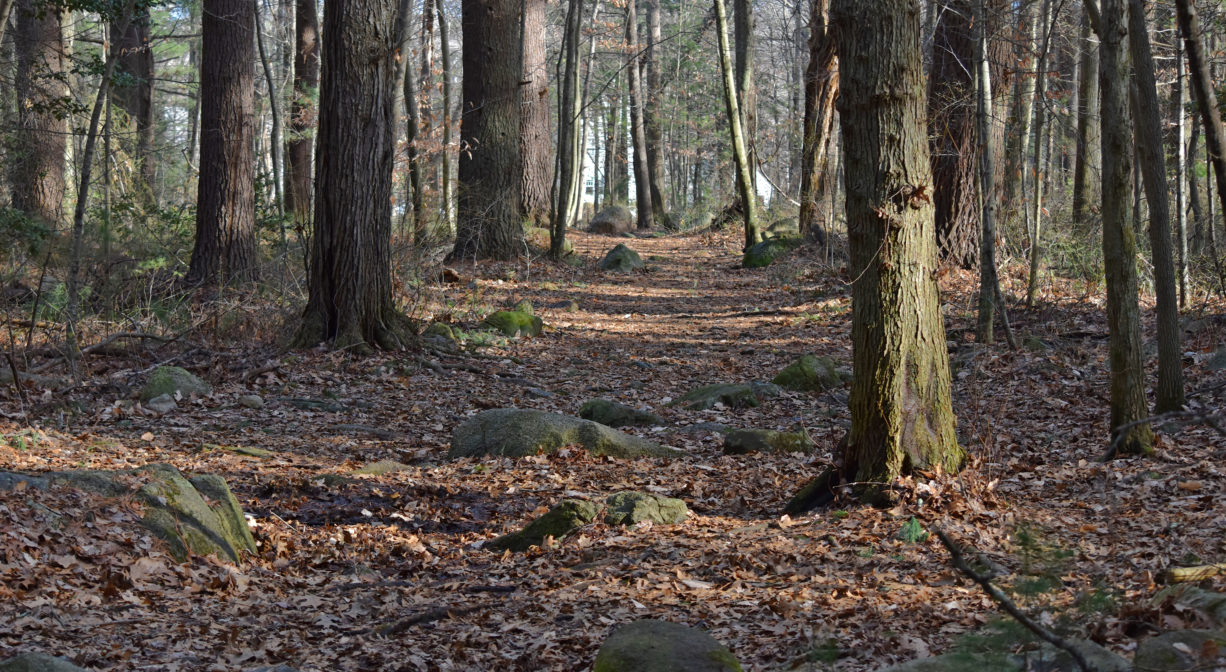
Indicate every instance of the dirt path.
{"type": "Point", "coordinates": [345, 556]}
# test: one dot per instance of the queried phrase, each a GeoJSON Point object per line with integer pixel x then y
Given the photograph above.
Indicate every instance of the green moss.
{"type": "Point", "coordinates": [742, 441]}
{"type": "Point", "coordinates": [811, 374]}
{"type": "Point", "coordinates": [622, 259]}
{"type": "Point", "coordinates": [613, 414]}
{"type": "Point", "coordinates": [564, 518]}
{"type": "Point", "coordinates": [632, 508]}
{"type": "Point", "coordinates": [381, 467]}
{"type": "Point", "coordinates": [514, 323]}
{"type": "Point", "coordinates": [734, 395]}
{"type": "Point", "coordinates": [172, 379]}
{"type": "Point", "coordinates": [514, 432]}
{"type": "Point", "coordinates": [764, 253]}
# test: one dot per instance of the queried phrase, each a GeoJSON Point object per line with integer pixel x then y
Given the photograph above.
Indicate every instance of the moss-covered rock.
{"type": "Point", "coordinates": [732, 395]}
{"type": "Point", "coordinates": [199, 515]}
{"type": "Point", "coordinates": [1181, 650]}
{"type": "Point", "coordinates": [1047, 658]}
{"type": "Point", "coordinates": [764, 253]}
{"type": "Point", "coordinates": [742, 441]}
{"type": "Point", "coordinates": [565, 517]}
{"type": "Point", "coordinates": [38, 662]}
{"type": "Point", "coordinates": [171, 379]}
{"type": "Point", "coordinates": [515, 432]}
{"type": "Point", "coordinates": [957, 662]}
{"type": "Point", "coordinates": [381, 468]}
{"type": "Point", "coordinates": [613, 414]}
{"type": "Point", "coordinates": [515, 323]}
{"type": "Point", "coordinates": [440, 330]}
{"type": "Point", "coordinates": [632, 508]}
{"type": "Point", "coordinates": [661, 646]}
{"type": "Point", "coordinates": [811, 374]}
{"type": "Point", "coordinates": [622, 259]}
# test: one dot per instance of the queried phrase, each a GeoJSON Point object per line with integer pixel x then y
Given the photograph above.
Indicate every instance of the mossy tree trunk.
{"type": "Point", "coordinates": [1119, 238]}
{"type": "Point", "coordinates": [902, 415]}
{"type": "Point", "coordinates": [740, 150]}
{"type": "Point", "coordinates": [350, 279]}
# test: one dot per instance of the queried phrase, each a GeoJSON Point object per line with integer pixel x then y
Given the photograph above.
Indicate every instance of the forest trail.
{"type": "Point", "coordinates": [346, 556]}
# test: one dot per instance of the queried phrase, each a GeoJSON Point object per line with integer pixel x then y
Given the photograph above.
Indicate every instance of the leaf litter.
{"type": "Point", "coordinates": [382, 568]}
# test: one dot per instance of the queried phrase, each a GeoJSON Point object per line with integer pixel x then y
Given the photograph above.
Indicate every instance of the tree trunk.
{"type": "Point", "coordinates": [416, 201]}
{"type": "Point", "coordinates": [350, 283]}
{"type": "Point", "coordinates": [1023, 115]}
{"type": "Point", "coordinates": [1040, 123]}
{"type": "Point", "coordinates": [902, 415]}
{"type": "Point", "coordinates": [535, 139]}
{"type": "Point", "coordinates": [746, 93]}
{"type": "Point", "coordinates": [134, 93]}
{"type": "Point", "coordinates": [1152, 157]}
{"type": "Point", "coordinates": [1202, 86]}
{"type": "Point", "coordinates": [1180, 103]}
{"type": "Point", "coordinates": [821, 89]}
{"type": "Point", "coordinates": [642, 180]}
{"type": "Point", "coordinates": [448, 105]}
{"type": "Point", "coordinates": [987, 174]}
{"type": "Point", "coordinates": [1119, 240]}
{"type": "Point", "coordinates": [1089, 165]}
{"type": "Point", "coordinates": [37, 154]}
{"type": "Point", "coordinates": [740, 152]}
{"type": "Point", "coordinates": [653, 97]}
{"type": "Point", "coordinates": [300, 140]}
{"type": "Point", "coordinates": [488, 222]}
{"type": "Point", "coordinates": [225, 248]}
{"type": "Point", "coordinates": [568, 128]}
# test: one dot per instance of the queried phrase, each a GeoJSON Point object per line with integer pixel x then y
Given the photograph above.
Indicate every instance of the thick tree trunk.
{"type": "Point", "coordinates": [300, 141]}
{"type": "Point", "coordinates": [642, 180]}
{"type": "Point", "coordinates": [740, 150]}
{"type": "Point", "coordinates": [1119, 240]}
{"type": "Point", "coordinates": [225, 248]}
{"type": "Point", "coordinates": [36, 156]}
{"type": "Point", "coordinates": [821, 89]}
{"type": "Point", "coordinates": [1152, 157]}
{"type": "Point", "coordinates": [488, 222]}
{"type": "Point", "coordinates": [350, 283]}
{"type": "Point", "coordinates": [1085, 174]}
{"type": "Point", "coordinates": [653, 97]}
{"type": "Point", "coordinates": [535, 139]}
{"type": "Point", "coordinates": [134, 94]}
{"type": "Point", "coordinates": [902, 415]}
{"type": "Point", "coordinates": [746, 92]}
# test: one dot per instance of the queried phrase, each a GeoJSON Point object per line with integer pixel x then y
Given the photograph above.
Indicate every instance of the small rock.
{"type": "Point", "coordinates": [564, 518]}
{"type": "Point", "coordinates": [1181, 650]}
{"type": "Point", "coordinates": [514, 432]}
{"type": "Point", "coordinates": [251, 401]}
{"type": "Point", "coordinates": [38, 662]}
{"type": "Point", "coordinates": [161, 404]}
{"type": "Point", "coordinates": [742, 441]}
{"type": "Point", "coordinates": [632, 508]}
{"type": "Point", "coordinates": [613, 414]}
{"type": "Point", "coordinates": [732, 395]}
{"type": "Point", "coordinates": [661, 646]}
{"type": "Point", "coordinates": [765, 252]}
{"type": "Point", "coordinates": [811, 374]}
{"type": "Point", "coordinates": [539, 392]}
{"type": "Point", "coordinates": [171, 379]}
{"type": "Point", "coordinates": [622, 259]}
{"type": "Point", "coordinates": [515, 323]}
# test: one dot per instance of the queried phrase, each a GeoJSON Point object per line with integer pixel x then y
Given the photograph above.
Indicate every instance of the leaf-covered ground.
{"type": "Point", "coordinates": [385, 571]}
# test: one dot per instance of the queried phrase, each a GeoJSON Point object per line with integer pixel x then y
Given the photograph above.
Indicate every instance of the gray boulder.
{"type": "Point", "coordinates": [622, 260]}
{"type": "Point", "coordinates": [661, 646]}
{"type": "Point", "coordinates": [613, 414]}
{"type": "Point", "coordinates": [514, 432]}
{"type": "Point", "coordinates": [37, 662]}
{"type": "Point", "coordinates": [613, 220]}
{"type": "Point", "coordinates": [742, 441]}
{"type": "Point", "coordinates": [764, 253]}
{"type": "Point", "coordinates": [632, 508]}
{"type": "Point", "coordinates": [171, 379]}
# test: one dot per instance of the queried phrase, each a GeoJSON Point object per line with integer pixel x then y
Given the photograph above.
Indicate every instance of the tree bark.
{"type": "Point", "coordinates": [1038, 165]}
{"type": "Point", "coordinates": [746, 93]}
{"type": "Point", "coordinates": [1119, 240]}
{"type": "Point", "coordinates": [568, 128]}
{"type": "Point", "coordinates": [37, 153]}
{"type": "Point", "coordinates": [987, 173]}
{"type": "Point", "coordinates": [653, 97]}
{"type": "Point", "coordinates": [1152, 157]}
{"type": "Point", "coordinates": [740, 151]}
{"type": "Point", "coordinates": [1023, 115]}
{"type": "Point", "coordinates": [350, 283]}
{"type": "Point", "coordinates": [1179, 103]}
{"type": "Point", "coordinates": [1089, 164]}
{"type": "Point", "coordinates": [642, 180]}
{"type": "Point", "coordinates": [535, 139]}
{"type": "Point", "coordinates": [412, 130]}
{"type": "Point", "coordinates": [225, 247]}
{"type": "Point", "coordinates": [448, 106]}
{"type": "Point", "coordinates": [902, 414]}
{"type": "Point", "coordinates": [821, 90]}
{"type": "Point", "coordinates": [300, 141]}
{"type": "Point", "coordinates": [487, 218]}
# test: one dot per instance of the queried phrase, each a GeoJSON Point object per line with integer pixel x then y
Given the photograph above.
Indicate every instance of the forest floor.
{"type": "Point", "coordinates": [342, 560]}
